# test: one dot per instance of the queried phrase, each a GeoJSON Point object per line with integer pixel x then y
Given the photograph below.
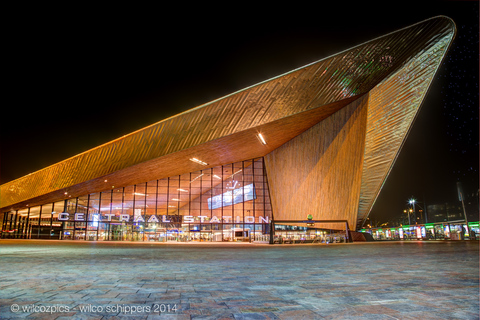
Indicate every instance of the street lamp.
{"type": "Point", "coordinates": [408, 215]}
{"type": "Point", "coordinates": [412, 202]}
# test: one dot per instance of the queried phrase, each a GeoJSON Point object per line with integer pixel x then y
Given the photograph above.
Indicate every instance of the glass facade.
{"type": "Point", "coordinates": [223, 203]}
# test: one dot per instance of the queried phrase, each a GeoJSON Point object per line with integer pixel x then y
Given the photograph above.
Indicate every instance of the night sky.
{"type": "Point", "coordinates": [90, 75]}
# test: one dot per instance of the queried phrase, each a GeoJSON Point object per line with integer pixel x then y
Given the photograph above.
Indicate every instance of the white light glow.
{"type": "Point", "coordinates": [261, 138]}
{"type": "Point", "coordinates": [198, 161]}
{"type": "Point", "coordinates": [235, 173]}
{"type": "Point", "coordinates": [196, 177]}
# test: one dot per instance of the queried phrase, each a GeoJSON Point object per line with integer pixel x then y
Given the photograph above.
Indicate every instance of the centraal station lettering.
{"type": "Point", "coordinates": [65, 216]}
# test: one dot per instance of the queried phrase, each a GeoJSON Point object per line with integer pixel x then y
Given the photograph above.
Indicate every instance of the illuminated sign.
{"type": "Point", "coordinates": [447, 231]}
{"type": "Point", "coordinates": [466, 230]}
{"type": "Point", "coordinates": [419, 232]}
{"type": "Point", "coordinates": [95, 220]}
{"type": "Point", "coordinates": [232, 197]}
{"type": "Point", "coordinates": [64, 216]}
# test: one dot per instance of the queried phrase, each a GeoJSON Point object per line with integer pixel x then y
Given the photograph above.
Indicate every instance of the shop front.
{"type": "Point", "coordinates": [455, 230]}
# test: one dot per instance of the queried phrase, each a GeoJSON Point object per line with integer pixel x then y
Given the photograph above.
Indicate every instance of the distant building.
{"type": "Point", "coordinates": [445, 212]}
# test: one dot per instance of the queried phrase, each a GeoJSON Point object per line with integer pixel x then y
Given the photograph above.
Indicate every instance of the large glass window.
{"type": "Point", "coordinates": [223, 203]}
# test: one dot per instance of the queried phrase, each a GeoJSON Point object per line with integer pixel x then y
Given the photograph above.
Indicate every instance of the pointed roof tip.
{"type": "Point", "coordinates": [450, 21]}
{"type": "Point", "coordinates": [441, 16]}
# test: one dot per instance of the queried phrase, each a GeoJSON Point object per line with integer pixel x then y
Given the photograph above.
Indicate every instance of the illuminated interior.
{"type": "Point", "coordinates": [178, 208]}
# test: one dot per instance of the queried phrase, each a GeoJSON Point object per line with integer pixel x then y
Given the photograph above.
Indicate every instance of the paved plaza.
{"type": "Point", "coordinates": [382, 280]}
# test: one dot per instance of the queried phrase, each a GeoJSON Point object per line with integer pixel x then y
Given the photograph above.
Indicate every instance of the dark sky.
{"type": "Point", "coordinates": [89, 75]}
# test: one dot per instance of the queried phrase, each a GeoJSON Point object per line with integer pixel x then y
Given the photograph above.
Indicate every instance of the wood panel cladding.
{"type": "Point", "coordinates": [319, 172]}
{"type": "Point", "coordinates": [392, 107]}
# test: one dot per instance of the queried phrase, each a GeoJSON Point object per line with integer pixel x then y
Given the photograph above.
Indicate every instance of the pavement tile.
{"type": "Point", "coordinates": [255, 316]}
{"type": "Point", "coordinates": [413, 280]}
{"type": "Point", "coordinates": [297, 314]}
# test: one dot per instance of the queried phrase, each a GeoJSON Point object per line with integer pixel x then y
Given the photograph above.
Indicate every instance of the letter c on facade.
{"type": "Point", "coordinates": [63, 216]}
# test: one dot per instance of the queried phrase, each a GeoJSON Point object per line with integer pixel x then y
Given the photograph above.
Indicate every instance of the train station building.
{"type": "Point", "coordinates": [316, 142]}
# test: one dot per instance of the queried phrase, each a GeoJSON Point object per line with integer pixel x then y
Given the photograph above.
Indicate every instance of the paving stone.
{"type": "Point", "coordinates": [402, 280]}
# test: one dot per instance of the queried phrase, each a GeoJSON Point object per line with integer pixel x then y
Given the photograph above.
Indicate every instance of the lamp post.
{"type": "Point", "coordinates": [412, 202]}
{"type": "Point", "coordinates": [407, 213]}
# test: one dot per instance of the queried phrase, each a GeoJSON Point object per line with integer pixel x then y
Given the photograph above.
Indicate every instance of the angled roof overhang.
{"type": "Point", "coordinates": [225, 130]}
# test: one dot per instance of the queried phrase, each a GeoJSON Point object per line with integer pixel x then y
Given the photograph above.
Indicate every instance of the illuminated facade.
{"type": "Point", "coordinates": [319, 140]}
{"type": "Point", "coordinates": [222, 203]}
